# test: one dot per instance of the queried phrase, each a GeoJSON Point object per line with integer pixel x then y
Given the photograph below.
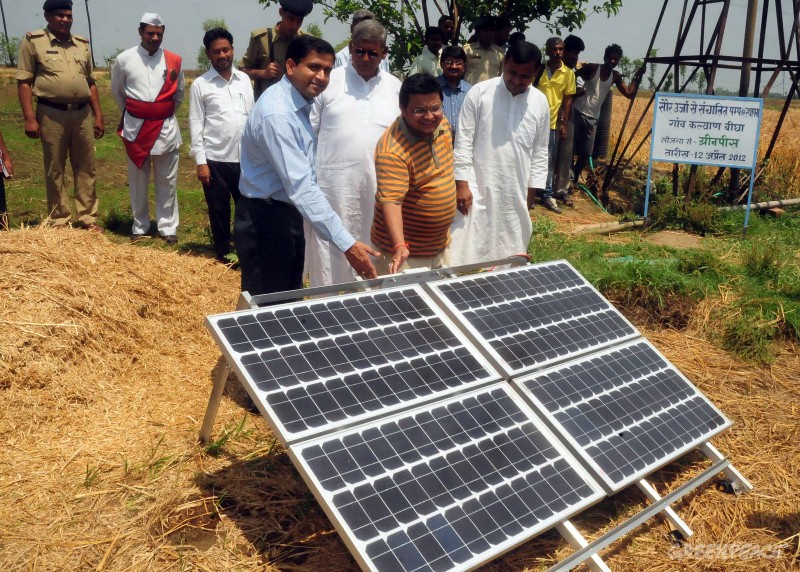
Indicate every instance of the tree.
{"type": "Point", "coordinates": [9, 47]}
{"type": "Point", "coordinates": [701, 81]}
{"type": "Point", "coordinates": [406, 20]}
{"type": "Point", "coordinates": [314, 30]}
{"type": "Point", "coordinates": [203, 63]}
{"type": "Point", "coordinates": [626, 67]}
{"type": "Point", "coordinates": [651, 73]}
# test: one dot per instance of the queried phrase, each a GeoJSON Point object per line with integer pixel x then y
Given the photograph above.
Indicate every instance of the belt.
{"type": "Point", "coordinates": [62, 106]}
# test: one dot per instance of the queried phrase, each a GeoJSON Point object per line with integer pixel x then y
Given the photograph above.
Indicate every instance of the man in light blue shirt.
{"type": "Point", "coordinates": [454, 88]}
{"type": "Point", "coordinates": [279, 183]}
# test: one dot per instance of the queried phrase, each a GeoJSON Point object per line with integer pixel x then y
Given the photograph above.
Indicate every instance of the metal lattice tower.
{"type": "Point", "coordinates": [777, 23]}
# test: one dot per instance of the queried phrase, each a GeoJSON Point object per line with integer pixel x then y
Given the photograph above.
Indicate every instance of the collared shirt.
{"type": "Point", "coordinates": [258, 54]}
{"type": "Point", "coordinates": [417, 174]}
{"type": "Point", "coordinates": [555, 86]}
{"type": "Point", "coordinates": [483, 64]}
{"type": "Point", "coordinates": [343, 58]}
{"type": "Point", "coordinates": [218, 110]}
{"type": "Point", "coordinates": [453, 100]}
{"type": "Point", "coordinates": [60, 70]}
{"type": "Point", "coordinates": [426, 62]}
{"type": "Point", "coordinates": [139, 75]}
{"type": "Point", "coordinates": [278, 160]}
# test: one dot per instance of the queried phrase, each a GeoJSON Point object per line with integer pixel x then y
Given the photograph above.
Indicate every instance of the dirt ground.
{"type": "Point", "coordinates": [105, 372]}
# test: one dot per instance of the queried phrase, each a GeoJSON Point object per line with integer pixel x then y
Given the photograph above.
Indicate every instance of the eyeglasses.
{"type": "Point", "coordinates": [423, 111]}
{"type": "Point", "coordinates": [454, 63]}
{"type": "Point", "coordinates": [373, 55]}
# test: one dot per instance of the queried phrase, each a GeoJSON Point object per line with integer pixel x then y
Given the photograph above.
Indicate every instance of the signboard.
{"type": "Point", "coordinates": [706, 130]}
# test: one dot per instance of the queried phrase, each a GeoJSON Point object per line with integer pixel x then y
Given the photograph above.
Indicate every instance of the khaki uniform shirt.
{"type": "Point", "coordinates": [258, 55]}
{"type": "Point", "coordinates": [483, 64]}
{"type": "Point", "coordinates": [60, 70]}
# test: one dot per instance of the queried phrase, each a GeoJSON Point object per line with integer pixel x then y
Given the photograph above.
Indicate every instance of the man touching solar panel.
{"type": "Point", "coordinates": [279, 182]}
{"type": "Point", "coordinates": [416, 199]}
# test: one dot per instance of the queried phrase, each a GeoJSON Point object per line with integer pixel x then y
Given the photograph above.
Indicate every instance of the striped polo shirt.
{"type": "Point", "coordinates": [417, 174]}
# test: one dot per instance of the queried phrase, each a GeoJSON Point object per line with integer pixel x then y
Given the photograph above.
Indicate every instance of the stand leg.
{"type": "Point", "coordinates": [577, 541]}
{"type": "Point", "coordinates": [677, 522]}
{"type": "Point", "coordinates": [738, 482]}
{"type": "Point", "coordinates": [220, 379]}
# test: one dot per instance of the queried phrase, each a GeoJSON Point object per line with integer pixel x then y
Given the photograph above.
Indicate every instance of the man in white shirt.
{"type": "Point", "coordinates": [147, 84]}
{"type": "Point", "coordinates": [349, 117]}
{"type": "Point", "coordinates": [343, 55]}
{"type": "Point", "coordinates": [500, 160]}
{"type": "Point", "coordinates": [428, 60]}
{"type": "Point", "coordinates": [220, 100]}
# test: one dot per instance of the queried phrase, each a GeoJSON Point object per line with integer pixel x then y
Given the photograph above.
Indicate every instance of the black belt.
{"type": "Point", "coordinates": [62, 106]}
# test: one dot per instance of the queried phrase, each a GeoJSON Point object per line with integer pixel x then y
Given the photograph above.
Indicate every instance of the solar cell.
{"type": "Point", "coordinates": [626, 410]}
{"type": "Point", "coordinates": [445, 487]}
{"type": "Point", "coordinates": [533, 316]}
{"type": "Point", "coordinates": [315, 365]}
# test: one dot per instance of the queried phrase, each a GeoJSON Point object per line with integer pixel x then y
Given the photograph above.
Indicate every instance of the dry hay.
{"type": "Point", "coordinates": [105, 372]}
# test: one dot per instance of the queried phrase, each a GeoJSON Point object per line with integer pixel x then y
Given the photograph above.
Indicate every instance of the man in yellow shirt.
{"type": "Point", "coordinates": [557, 83]}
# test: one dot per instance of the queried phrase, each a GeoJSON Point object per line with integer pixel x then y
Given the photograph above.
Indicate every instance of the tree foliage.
{"type": "Point", "coordinates": [406, 24]}
{"type": "Point", "coordinates": [314, 30]}
{"type": "Point", "coordinates": [203, 63]}
{"type": "Point", "coordinates": [9, 48]}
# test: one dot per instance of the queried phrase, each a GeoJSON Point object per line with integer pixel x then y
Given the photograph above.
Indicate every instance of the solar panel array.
{"type": "Point", "coordinates": [421, 457]}
{"type": "Point", "coordinates": [312, 366]}
{"type": "Point", "coordinates": [627, 410]}
{"type": "Point", "coordinates": [448, 486]}
{"type": "Point", "coordinates": [534, 315]}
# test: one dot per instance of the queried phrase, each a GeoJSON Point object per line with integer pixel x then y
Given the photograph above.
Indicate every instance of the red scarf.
{"type": "Point", "coordinates": [153, 112]}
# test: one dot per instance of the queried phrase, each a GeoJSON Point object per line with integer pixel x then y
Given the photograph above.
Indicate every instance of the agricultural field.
{"type": "Point", "coordinates": [106, 369]}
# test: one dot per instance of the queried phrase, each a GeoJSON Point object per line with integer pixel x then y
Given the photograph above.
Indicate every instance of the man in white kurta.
{"type": "Point", "coordinates": [138, 76]}
{"type": "Point", "coordinates": [349, 117]}
{"type": "Point", "coordinates": [500, 161]}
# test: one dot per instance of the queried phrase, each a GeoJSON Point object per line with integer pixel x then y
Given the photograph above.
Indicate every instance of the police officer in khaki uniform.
{"type": "Point", "coordinates": [265, 58]}
{"type": "Point", "coordinates": [55, 66]}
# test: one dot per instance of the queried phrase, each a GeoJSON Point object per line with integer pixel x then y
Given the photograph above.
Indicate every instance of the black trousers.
{"type": "Point", "coordinates": [270, 244]}
{"type": "Point", "coordinates": [224, 185]}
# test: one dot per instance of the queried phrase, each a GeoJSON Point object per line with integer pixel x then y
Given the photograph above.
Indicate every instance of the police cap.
{"type": "Point", "coordinates": [298, 7]}
{"type": "Point", "coordinates": [51, 5]}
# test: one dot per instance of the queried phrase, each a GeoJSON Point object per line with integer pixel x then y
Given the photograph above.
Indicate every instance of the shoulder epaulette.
{"type": "Point", "coordinates": [258, 32]}
{"type": "Point", "coordinates": [80, 38]}
{"type": "Point", "coordinates": [35, 34]}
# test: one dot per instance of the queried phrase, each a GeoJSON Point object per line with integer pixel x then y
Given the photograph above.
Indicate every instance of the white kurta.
{"type": "Point", "coordinates": [139, 75]}
{"type": "Point", "coordinates": [500, 150]}
{"type": "Point", "coordinates": [348, 117]}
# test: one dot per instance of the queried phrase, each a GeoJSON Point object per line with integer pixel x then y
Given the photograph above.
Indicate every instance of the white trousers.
{"type": "Point", "coordinates": [165, 179]}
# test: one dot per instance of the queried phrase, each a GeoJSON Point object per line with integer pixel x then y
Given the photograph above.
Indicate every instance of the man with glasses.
{"type": "Point", "coordinates": [349, 117]}
{"type": "Point", "coordinates": [55, 66]}
{"type": "Point", "coordinates": [343, 55]}
{"type": "Point", "coordinates": [415, 203]}
{"type": "Point", "coordinates": [500, 160]}
{"type": "Point", "coordinates": [454, 88]}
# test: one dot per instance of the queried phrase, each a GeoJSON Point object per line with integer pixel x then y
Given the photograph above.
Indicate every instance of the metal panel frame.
{"type": "Point", "coordinates": [479, 341]}
{"type": "Point", "coordinates": [259, 397]}
{"type": "Point", "coordinates": [358, 548]}
{"type": "Point", "coordinates": [580, 452]}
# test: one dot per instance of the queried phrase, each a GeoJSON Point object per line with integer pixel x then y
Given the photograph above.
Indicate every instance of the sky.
{"type": "Point", "coordinates": [115, 22]}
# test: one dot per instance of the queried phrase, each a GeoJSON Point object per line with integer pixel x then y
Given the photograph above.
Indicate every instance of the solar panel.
{"type": "Point", "coordinates": [533, 316]}
{"type": "Point", "coordinates": [626, 410]}
{"type": "Point", "coordinates": [447, 486]}
{"type": "Point", "coordinates": [317, 365]}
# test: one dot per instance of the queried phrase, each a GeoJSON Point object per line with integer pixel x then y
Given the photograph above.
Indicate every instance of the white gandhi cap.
{"type": "Point", "coordinates": [152, 19]}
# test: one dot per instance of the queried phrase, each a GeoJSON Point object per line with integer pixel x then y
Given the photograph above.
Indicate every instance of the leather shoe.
{"type": "Point", "coordinates": [138, 237]}
{"type": "Point", "coordinates": [170, 238]}
{"type": "Point", "coordinates": [551, 204]}
{"type": "Point", "coordinates": [94, 227]}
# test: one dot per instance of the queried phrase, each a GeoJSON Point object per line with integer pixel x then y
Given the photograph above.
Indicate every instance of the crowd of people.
{"type": "Point", "coordinates": [337, 169]}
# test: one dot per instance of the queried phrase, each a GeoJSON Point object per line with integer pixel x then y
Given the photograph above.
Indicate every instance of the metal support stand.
{"type": "Point", "coordinates": [220, 379]}
{"type": "Point", "coordinates": [677, 522]}
{"type": "Point", "coordinates": [738, 482]}
{"type": "Point", "coordinates": [577, 542]}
